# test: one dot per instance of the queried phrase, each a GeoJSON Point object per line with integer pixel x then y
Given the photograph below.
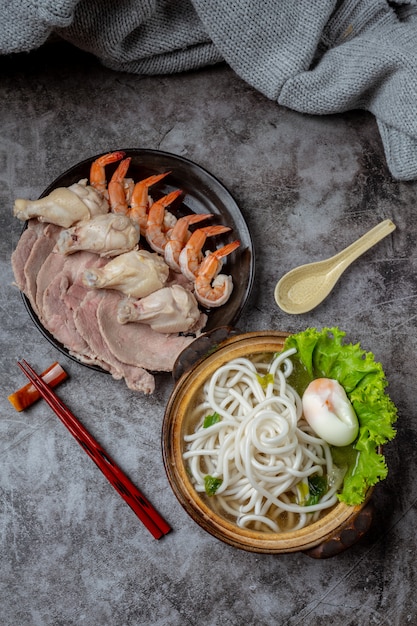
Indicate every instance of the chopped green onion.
{"type": "Point", "coordinates": [317, 486]}
{"type": "Point", "coordinates": [265, 380]}
{"type": "Point", "coordinates": [209, 420]}
{"type": "Point", "coordinates": [211, 484]}
{"type": "Point", "coordinates": [303, 492]}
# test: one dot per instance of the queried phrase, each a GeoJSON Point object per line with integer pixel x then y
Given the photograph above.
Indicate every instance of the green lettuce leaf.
{"type": "Point", "coordinates": [325, 354]}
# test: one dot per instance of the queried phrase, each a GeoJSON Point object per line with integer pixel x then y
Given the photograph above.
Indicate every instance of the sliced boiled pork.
{"type": "Point", "coordinates": [138, 344]}
{"type": "Point", "coordinates": [84, 320]}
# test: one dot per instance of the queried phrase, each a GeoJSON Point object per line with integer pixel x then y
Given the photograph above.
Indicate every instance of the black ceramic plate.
{"type": "Point", "coordinates": [202, 193]}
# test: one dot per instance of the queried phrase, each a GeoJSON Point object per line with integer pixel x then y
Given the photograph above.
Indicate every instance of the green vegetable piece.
{"type": "Point", "coordinates": [303, 492]}
{"type": "Point", "coordinates": [209, 420]}
{"type": "Point", "coordinates": [317, 487]}
{"type": "Point", "coordinates": [265, 380]}
{"type": "Point", "coordinates": [211, 484]}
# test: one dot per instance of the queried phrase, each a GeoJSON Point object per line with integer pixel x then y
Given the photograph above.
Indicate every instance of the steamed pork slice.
{"type": "Point", "coordinates": [85, 317]}
{"type": "Point", "coordinates": [53, 265]}
{"type": "Point", "coordinates": [107, 235]}
{"type": "Point", "coordinates": [58, 318]}
{"type": "Point", "coordinates": [72, 266]}
{"type": "Point", "coordinates": [73, 298]}
{"type": "Point", "coordinates": [23, 249]}
{"type": "Point", "coordinates": [138, 344]}
{"type": "Point", "coordinates": [60, 300]}
{"type": "Point", "coordinates": [85, 320]}
{"type": "Point", "coordinates": [41, 248]}
{"type": "Point", "coordinates": [64, 206]}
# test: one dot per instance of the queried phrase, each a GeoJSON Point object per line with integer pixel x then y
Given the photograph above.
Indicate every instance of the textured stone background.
{"type": "Point", "coordinates": [72, 552]}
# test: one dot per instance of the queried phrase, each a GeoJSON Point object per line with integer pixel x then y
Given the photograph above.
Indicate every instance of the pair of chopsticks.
{"type": "Point", "coordinates": [131, 494]}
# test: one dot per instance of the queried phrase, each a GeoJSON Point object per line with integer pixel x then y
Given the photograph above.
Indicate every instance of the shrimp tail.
{"type": "Point", "coordinates": [116, 188]}
{"type": "Point", "coordinates": [97, 169]}
{"type": "Point", "coordinates": [156, 234]}
{"type": "Point", "coordinates": [191, 255]}
{"type": "Point", "coordinates": [179, 237]}
{"type": "Point", "coordinates": [141, 200]}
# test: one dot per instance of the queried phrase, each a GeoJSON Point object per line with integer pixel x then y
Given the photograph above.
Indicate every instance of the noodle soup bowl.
{"type": "Point", "coordinates": [337, 527]}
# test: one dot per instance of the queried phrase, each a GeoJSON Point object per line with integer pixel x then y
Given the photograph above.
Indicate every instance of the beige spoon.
{"type": "Point", "coordinates": [304, 287]}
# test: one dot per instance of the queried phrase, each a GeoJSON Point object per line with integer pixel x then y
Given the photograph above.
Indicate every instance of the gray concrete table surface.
{"type": "Point", "coordinates": [72, 552]}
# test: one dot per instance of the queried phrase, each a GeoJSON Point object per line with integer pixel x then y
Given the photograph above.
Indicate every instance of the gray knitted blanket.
{"type": "Point", "coordinates": [317, 57]}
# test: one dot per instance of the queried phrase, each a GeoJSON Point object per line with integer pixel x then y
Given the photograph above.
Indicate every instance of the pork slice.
{"type": "Point", "coordinates": [23, 249]}
{"type": "Point", "coordinates": [52, 266]}
{"type": "Point", "coordinates": [137, 344]}
{"type": "Point", "coordinates": [58, 318]}
{"type": "Point", "coordinates": [73, 298]}
{"type": "Point", "coordinates": [86, 324]}
{"type": "Point", "coordinates": [61, 298]}
{"type": "Point", "coordinates": [41, 248]}
{"type": "Point", "coordinates": [79, 261]}
{"type": "Point", "coordinates": [85, 317]}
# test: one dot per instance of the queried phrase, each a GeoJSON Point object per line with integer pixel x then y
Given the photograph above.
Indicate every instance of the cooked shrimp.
{"type": "Point", "coordinates": [192, 253]}
{"type": "Point", "coordinates": [97, 169]}
{"type": "Point", "coordinates": [140, 201]}
{"type": "Point", "coordinates": [179, 237]}
{"type": "Point", "coordinates": [117, 190]}
{"type": "Point", "coordinates": [156, 235]}
{"type": "Point", "coordinates": [129, 185]}
{"type": "Point", "coordinates": [329, 412]}
{"type": "Point", "coordinates": [211, 288]}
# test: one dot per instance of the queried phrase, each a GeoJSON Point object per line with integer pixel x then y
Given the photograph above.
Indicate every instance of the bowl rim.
{"type": "Point", "coordinates": [172, 435]}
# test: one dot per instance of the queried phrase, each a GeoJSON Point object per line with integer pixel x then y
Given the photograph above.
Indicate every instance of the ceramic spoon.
{"type": "Point", "coordinates": [304, 287]}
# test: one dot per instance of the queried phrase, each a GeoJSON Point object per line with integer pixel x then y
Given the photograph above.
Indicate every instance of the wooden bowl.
{"type": "Point", "coordinates": [338, 529]}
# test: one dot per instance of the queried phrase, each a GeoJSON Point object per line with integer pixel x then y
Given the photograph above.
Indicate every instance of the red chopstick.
{"type": "Point", "coordinates": [123, 485]}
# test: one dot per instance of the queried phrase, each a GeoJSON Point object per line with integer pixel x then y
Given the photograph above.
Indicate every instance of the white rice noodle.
{"type": "Point", "coordinates": [260, 449]}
